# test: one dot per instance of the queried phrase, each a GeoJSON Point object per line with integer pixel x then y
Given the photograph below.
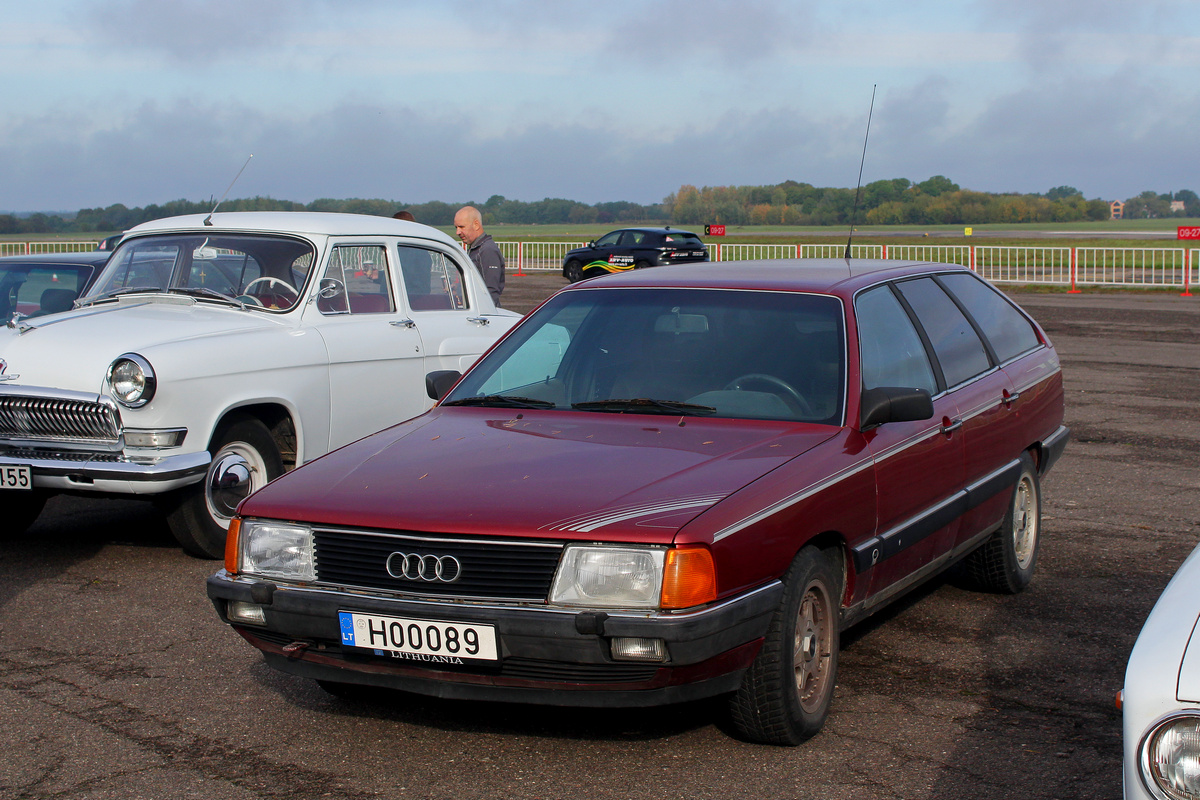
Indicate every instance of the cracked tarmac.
{"type": "Point", "coordinates": [118, 681]}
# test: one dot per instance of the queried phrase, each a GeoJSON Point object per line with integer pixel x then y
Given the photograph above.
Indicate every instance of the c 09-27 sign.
{"type": "Point", "coordinates": [719, 230]}
{"type": "Point", "coordinates": [1188, 232]}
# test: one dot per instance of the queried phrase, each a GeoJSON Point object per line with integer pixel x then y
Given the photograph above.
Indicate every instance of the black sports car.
{"type": "Point", "coordinates": [633, 248]}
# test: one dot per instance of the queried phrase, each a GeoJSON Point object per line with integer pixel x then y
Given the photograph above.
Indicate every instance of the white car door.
{"type": "Point", "coordinates": [376, 359]}
{"type": "Point", "coordinates": [436, 293]}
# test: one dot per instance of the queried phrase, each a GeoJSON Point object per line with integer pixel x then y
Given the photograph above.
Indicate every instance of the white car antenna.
{"type": "Point", "coordinates": [208, 219]}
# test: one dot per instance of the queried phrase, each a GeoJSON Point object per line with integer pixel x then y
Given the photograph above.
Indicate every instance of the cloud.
{"type": "Point", "coordinates": [196, 31]}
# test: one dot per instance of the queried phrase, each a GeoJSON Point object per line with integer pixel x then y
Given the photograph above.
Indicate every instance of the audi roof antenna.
{"type": "Point", "coordinates": [858, 189]}
{"type": "Point", "coordinates": [208, 219]}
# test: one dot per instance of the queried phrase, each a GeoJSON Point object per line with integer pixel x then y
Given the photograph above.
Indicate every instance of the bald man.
{"type": "Point", "coordinates": [484, 252]}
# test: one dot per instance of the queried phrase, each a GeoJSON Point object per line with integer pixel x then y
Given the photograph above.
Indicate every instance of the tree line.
{"type": "Point", "coordinates": [937, 201]}
{"type": "Point", "coordinates": [496, 210]}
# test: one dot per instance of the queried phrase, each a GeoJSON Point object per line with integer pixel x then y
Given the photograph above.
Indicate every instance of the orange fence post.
{"type": "Point", "coordinates": [1074, 267]}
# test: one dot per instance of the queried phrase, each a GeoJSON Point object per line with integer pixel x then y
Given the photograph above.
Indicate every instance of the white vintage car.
{"type": "Point", "coordinates": [1161, 698]}
{"type": "Point", "coordinates": [215, 353]}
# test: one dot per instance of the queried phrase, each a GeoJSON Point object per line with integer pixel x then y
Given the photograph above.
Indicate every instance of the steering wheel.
{"type": "Point", "coordinates": [272, 281]}
{"type": "Point", "coordinates": [790, 391]}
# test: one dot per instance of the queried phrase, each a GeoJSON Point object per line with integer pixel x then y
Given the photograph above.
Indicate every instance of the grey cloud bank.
{"type": "Point", "coordinates": [532, 99]}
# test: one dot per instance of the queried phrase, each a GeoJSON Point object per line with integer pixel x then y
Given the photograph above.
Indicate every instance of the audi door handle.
{"type": "Point", "coordinates": [950, 426]}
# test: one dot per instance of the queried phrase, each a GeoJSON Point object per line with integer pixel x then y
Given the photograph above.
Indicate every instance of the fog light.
{"type": "Point", "coordinates": [629, 648]}
{"type": "Point", "coordinates": [246, 612]}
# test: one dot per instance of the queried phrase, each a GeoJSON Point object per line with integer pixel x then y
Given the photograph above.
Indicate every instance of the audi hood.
{"type": "Point", "coordinates": [545, 474]}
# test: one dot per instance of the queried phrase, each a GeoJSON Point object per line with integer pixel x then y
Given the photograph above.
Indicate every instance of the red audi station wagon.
{"type": "Point", "coordinates": [666, 485]}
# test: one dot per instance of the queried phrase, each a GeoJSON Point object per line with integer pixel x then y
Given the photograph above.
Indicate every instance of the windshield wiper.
{"type": "Point", "coordinates": [208, 294]}
{"type": "Point", "coordinates": [645, 405]}
{"type": "Point", "coordinates": [87, 301]}
{"type": "Point", "coordinates": [500, 401]}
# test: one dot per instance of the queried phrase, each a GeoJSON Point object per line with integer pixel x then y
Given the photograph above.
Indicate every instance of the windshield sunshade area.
{"type": "Point", "coordinates": [254, 270]}
{"type": "Point", "coordinates": [677, 352]}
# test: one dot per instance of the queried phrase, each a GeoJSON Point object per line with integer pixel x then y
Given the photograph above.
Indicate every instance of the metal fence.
{"type": "Point", "coordinates": [1129, 267]}
{"type": "Point", "coordinates": [30, 248]}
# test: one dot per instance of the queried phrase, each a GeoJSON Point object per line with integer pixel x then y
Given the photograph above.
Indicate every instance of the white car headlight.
{"type": "Point", "coordinates": [609, 577]}
{"type": "Point", "coordinates": [1171, 758]}
{"type": "Point", "coordinates": [132, 380]}
{"type": "Point", "coordinates": [277, 550]}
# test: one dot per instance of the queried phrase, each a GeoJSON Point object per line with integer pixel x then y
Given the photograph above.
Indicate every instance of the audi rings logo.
{"type": "Point", "coordinates": [432, 569]}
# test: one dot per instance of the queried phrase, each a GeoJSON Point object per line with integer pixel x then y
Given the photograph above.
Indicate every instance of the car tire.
{"type": "Point", "coordinates": [786, 692]}
{"type": "Point", "coordinates": [244, 458]}
{"type": "Point", "coordinates": [641, 264]}
{"type": "Point", "coordinates": [573, 271]}
{"type": "Point", "coordinates": [20, 509]}
{"type": "Point", "coordinates": [1004, 563]}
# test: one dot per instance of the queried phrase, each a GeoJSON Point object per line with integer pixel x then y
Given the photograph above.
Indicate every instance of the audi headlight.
{"type": "Point", "coordinates": [276, 550]}
{"type": "Point", "coordinates": [609, 577]}
{"type": "Point", "coordinates": [1171, 758]}
{"type": "Point", "coordinates": [132, 380]}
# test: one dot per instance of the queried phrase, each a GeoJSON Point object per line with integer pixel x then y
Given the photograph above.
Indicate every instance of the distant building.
{"type": "Point", "coordinates": [1176, 205]}
{"type": "Point", "coordinates": [1116, 209]}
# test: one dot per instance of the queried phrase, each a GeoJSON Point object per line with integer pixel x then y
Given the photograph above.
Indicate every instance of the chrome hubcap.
{"type": "Point", "coordinates": [1024, 522]}
{"type": "Point", "coordinates": [236, 471]}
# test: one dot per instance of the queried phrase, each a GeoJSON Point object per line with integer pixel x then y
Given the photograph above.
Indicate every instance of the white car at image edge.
{"type": "Point", "coordinates": [214, 353]}
{"type": "Point", "coordinates": [1160, 701]}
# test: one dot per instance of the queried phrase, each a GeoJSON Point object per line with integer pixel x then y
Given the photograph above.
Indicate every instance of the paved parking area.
{"type": "Point", "coordinates": [117, 680]}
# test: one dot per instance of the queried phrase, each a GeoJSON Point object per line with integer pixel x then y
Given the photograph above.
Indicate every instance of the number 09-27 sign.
{"type": "Point", "coordinates": [714, 230]}
{"type": "Point", "coordinates": [1188, 232]}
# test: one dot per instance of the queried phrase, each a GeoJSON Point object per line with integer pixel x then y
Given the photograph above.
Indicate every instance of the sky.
{"type": "Point", "coordinates": [148, 101]}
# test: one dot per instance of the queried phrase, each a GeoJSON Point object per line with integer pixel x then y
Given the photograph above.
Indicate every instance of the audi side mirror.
{"type": "Point", "coordinates": [439, 383]}
{"type": "Point", "coordinates": [894, 404]}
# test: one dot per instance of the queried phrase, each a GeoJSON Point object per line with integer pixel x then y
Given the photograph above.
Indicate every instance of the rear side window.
{"type": "Point", "coordinates": [1009, 332]}
{"type": "Point", "coordinates": [958, 348]}
{"type": "Point", "coordinates": [683, 240]}
{"type": "Point", "coordinates": [432, 281]}
{"type": "Point", "coordinates": [890, 348]}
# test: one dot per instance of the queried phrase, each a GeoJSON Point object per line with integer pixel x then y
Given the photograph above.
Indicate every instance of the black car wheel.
{"type": "Point", "coordinates": [785, 694]}
{"type": "Point", "coordinates": [641, 264]}
{"type": "Point", "coordinates": [573, 271]}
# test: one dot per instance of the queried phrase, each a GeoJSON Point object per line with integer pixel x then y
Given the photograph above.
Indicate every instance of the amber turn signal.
{"type": "Point", "coordinates": [689, 577]}
{"type": "Point", "coordinates": [231, 545]}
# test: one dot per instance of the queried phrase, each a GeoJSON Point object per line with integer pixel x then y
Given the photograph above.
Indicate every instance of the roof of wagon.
{"type": "Point", "coordinates": [833, 275]}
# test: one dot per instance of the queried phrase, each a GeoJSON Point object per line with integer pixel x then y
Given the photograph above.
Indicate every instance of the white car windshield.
{"type": "Point", "coordinates": [260, 271]}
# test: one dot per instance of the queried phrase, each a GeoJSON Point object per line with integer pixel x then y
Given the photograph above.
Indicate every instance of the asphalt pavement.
{"type": "Point", "coordinates": [118, 681]}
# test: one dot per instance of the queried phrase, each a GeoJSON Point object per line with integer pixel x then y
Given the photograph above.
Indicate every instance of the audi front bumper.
{"type": "Point", "coordinates": [552, 656]}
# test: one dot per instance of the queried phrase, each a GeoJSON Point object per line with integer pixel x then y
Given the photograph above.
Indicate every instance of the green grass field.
{"type": "Point", "coordinates": [1113, 233]}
